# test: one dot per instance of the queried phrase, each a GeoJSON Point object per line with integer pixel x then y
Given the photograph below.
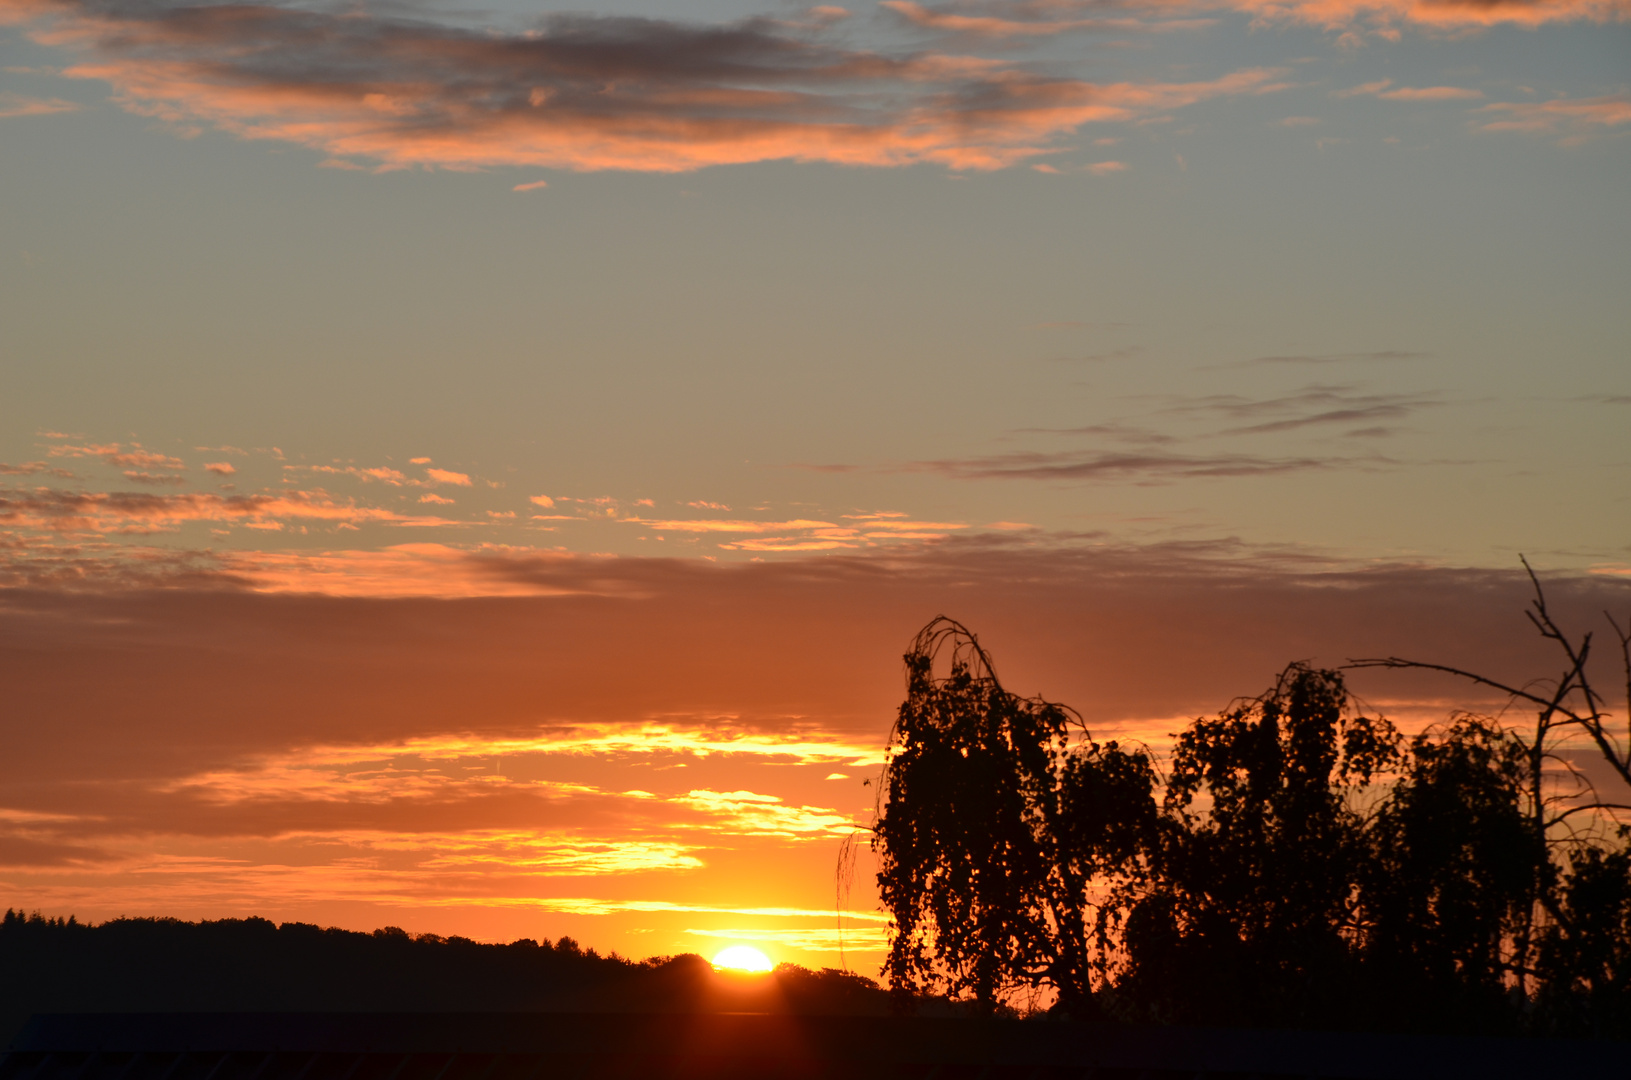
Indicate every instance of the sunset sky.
{"type": "Point", "coordinates": [477, 468]}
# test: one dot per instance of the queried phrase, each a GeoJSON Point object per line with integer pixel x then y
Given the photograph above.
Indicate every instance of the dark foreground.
{"type": "Point", "coordinates": [591, 1046]}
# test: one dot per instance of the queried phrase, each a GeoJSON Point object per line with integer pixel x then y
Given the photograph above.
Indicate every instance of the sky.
{"type": "Point", "coordinates": [477, 468]}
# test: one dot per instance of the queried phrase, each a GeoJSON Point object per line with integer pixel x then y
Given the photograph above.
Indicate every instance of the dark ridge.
{"type": "Point", "coordinates": [252, 965]}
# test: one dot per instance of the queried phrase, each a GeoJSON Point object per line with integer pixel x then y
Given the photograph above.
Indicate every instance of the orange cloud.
{"type": "Point", "coordinates": [1382, 16]}
{"type": "Point", "coordinates": [130, 512]}
{"type": "Point", "coordinates": [444, 476]}
{"type": "Point", "coordinates": [31, 468]}
{"type": "Point", "coordinates": [810, 939]}
{"type": "Point", "coordinates": [224, 468]}
{"type": "Point", "coordinates": [991, 26]}
{"type": "Point", "coordinates": [1546, 117]}
{"type": "Point", "coordinates": [581, 93]}
{"type": "Point", "coordinates": [708, 525]}
{"type": "Point", "coordinates": [1431, 93]}
{"type": "Point", "coordinates": [427, 570]}
{"type": "Point", "coordinates": [750, 814]}
{"type": "Point", "coordinates": [115, 454]}
{"type": "Point", "coordinates": [998, 19]}
{"type": "Point", "coordinates": [18, 105]}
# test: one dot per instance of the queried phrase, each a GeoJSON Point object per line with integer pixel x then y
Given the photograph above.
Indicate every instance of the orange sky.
{"type": "Point", "coordinates": [476, 467]}
{"type": "Point", "coordinates": [663, 756]}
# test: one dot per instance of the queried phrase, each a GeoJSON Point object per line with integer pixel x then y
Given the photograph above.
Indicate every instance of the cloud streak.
{"type": "Point", "coordinates": [56, 510]}
{"type": "Point", "coordinates": [1137, 468]}
{"type": "Point", "coordinates": [18, 105]}
{"type": "Point", "coordinates": [1582, 116]}
{"type": "Point", "coordinates": [1007, 19]}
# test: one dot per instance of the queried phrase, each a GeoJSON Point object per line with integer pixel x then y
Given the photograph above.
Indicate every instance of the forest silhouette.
{"type": "Point", "coordinates": [254, 965]}
{"type": "Point", "coordinates": [1294, 861]}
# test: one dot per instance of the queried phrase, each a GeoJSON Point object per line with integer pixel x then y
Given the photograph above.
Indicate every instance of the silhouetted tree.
{"type": "Point", "coordinates": [1255, 890]}
{"type": "Point", "coordinates": [992, 827]}
{"type": "Point", "coordinates": [1302, 865]}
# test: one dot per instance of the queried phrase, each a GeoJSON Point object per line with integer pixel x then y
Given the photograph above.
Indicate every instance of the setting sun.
{"type": "Point", "coordinates": [742, 958]}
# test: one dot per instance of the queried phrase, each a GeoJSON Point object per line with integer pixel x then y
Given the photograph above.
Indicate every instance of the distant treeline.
{"type": "Point", "coordinates": [254, 965]}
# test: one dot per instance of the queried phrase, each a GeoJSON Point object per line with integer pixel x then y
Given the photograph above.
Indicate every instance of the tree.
{"type": "Point", "coordinates": [1303, 865]}
{"type": "Point", "coordinates": [996, 815]}
{"type": "Point", "coordinates": [1255, 891]}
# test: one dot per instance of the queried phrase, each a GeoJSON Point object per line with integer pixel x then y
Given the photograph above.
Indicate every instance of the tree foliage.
{"type": "Point", "coordinates": [1298, 863]}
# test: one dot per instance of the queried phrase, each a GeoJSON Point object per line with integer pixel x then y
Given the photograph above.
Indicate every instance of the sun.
{"type": "Point", "coordinates": [742, 958]}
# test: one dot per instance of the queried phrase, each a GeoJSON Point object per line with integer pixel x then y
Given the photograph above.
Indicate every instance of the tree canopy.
{"type": "Point", "coordinates": [1292, 861]}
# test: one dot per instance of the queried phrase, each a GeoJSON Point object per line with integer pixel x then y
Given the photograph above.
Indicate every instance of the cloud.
{"type": "Point", "coordinates": [859, 530]}
{"type": "Point", "coordinates": [18, 105]}
{"type": "Point", "coordinates": [1383, 17]}
{"type": "Point", "coordinates": [142, 477]}
{"type": "Point", "coordinates": [1431, 93]}
{"type": "Point", "coordinates": [381, 473]}
{"type": "Point", "coordinates": [224, 468]}
{"type": "Point", "coordinates": [1138, 468]}
{"type": "Point", "coordinates": [1310, 407]}
{"type": "Point", "coordinates": [1580, 115]}
{"type": "Point", "coordinates": [1379, 89]}
{"type": "Point", "coordinates": [56, 510]}
{"type": "Point", "coordinates": [34, 468]}
{"type": "Point", "coordinates": [750, 814]}
{"type": "Point", "coordinates": [132, 457]}
{"type": "Point", "coordinates": [1104, 168]}
{"type": "Point", "coordinates": [536, 185]}
{"type": "Point", "coordinates": [851, 939]}
{"type": "Point", "coordinates": [541, 500]}
{"type": "Point", "coordinates": [707, 525]}
{"type": "Point", "coordinates": [1332, 358]}
{"type": "Point", "coordinates": [445, 476]}
{"type": "Point", "coordinates": [1354, 20]}
{"type": "Point", "coordinates": [581, 92]}
{"type": "Point", "coordinates": [435, 499]}
{"type": "Point", "coordinates": [990, 26]}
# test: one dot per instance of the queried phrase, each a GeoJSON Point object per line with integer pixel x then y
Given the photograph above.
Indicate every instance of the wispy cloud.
{"type": "Point", "coordinates": [1431, 93]}
{"type": "Point", "coordinates": [1314, 406]}
{"type": "Point", "coordinates": [1384, 89]}
{"type": "Point", "coordinates": [19, 105]}
{"type": "Point", "coordinates": [1332, 358]}
{"type": "Point", "coordinates": [1383, 18]}
{"type": "Point", "coordinates": [1137, 468]}
{"type": "Point", "coordinates": [35, 468]}
{"type": "Point", "coordinates": [810, 939]}
{"type": "Point", "coordinates": [1578, 116]}
{"type": "Point", "coordinates": [131, 512]}
{"type": "Point", "coordinates": [857, 530]}
{"type": "Point", "coordinates": [133, 456]}
{"type": "Point", "coordinates": [996, 26]}
{"type": "Point", "coordinates": [1353, 20]}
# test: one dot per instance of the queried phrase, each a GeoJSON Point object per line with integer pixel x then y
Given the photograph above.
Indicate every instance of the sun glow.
{"type": "Point", "coordinates": [742, 958]}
